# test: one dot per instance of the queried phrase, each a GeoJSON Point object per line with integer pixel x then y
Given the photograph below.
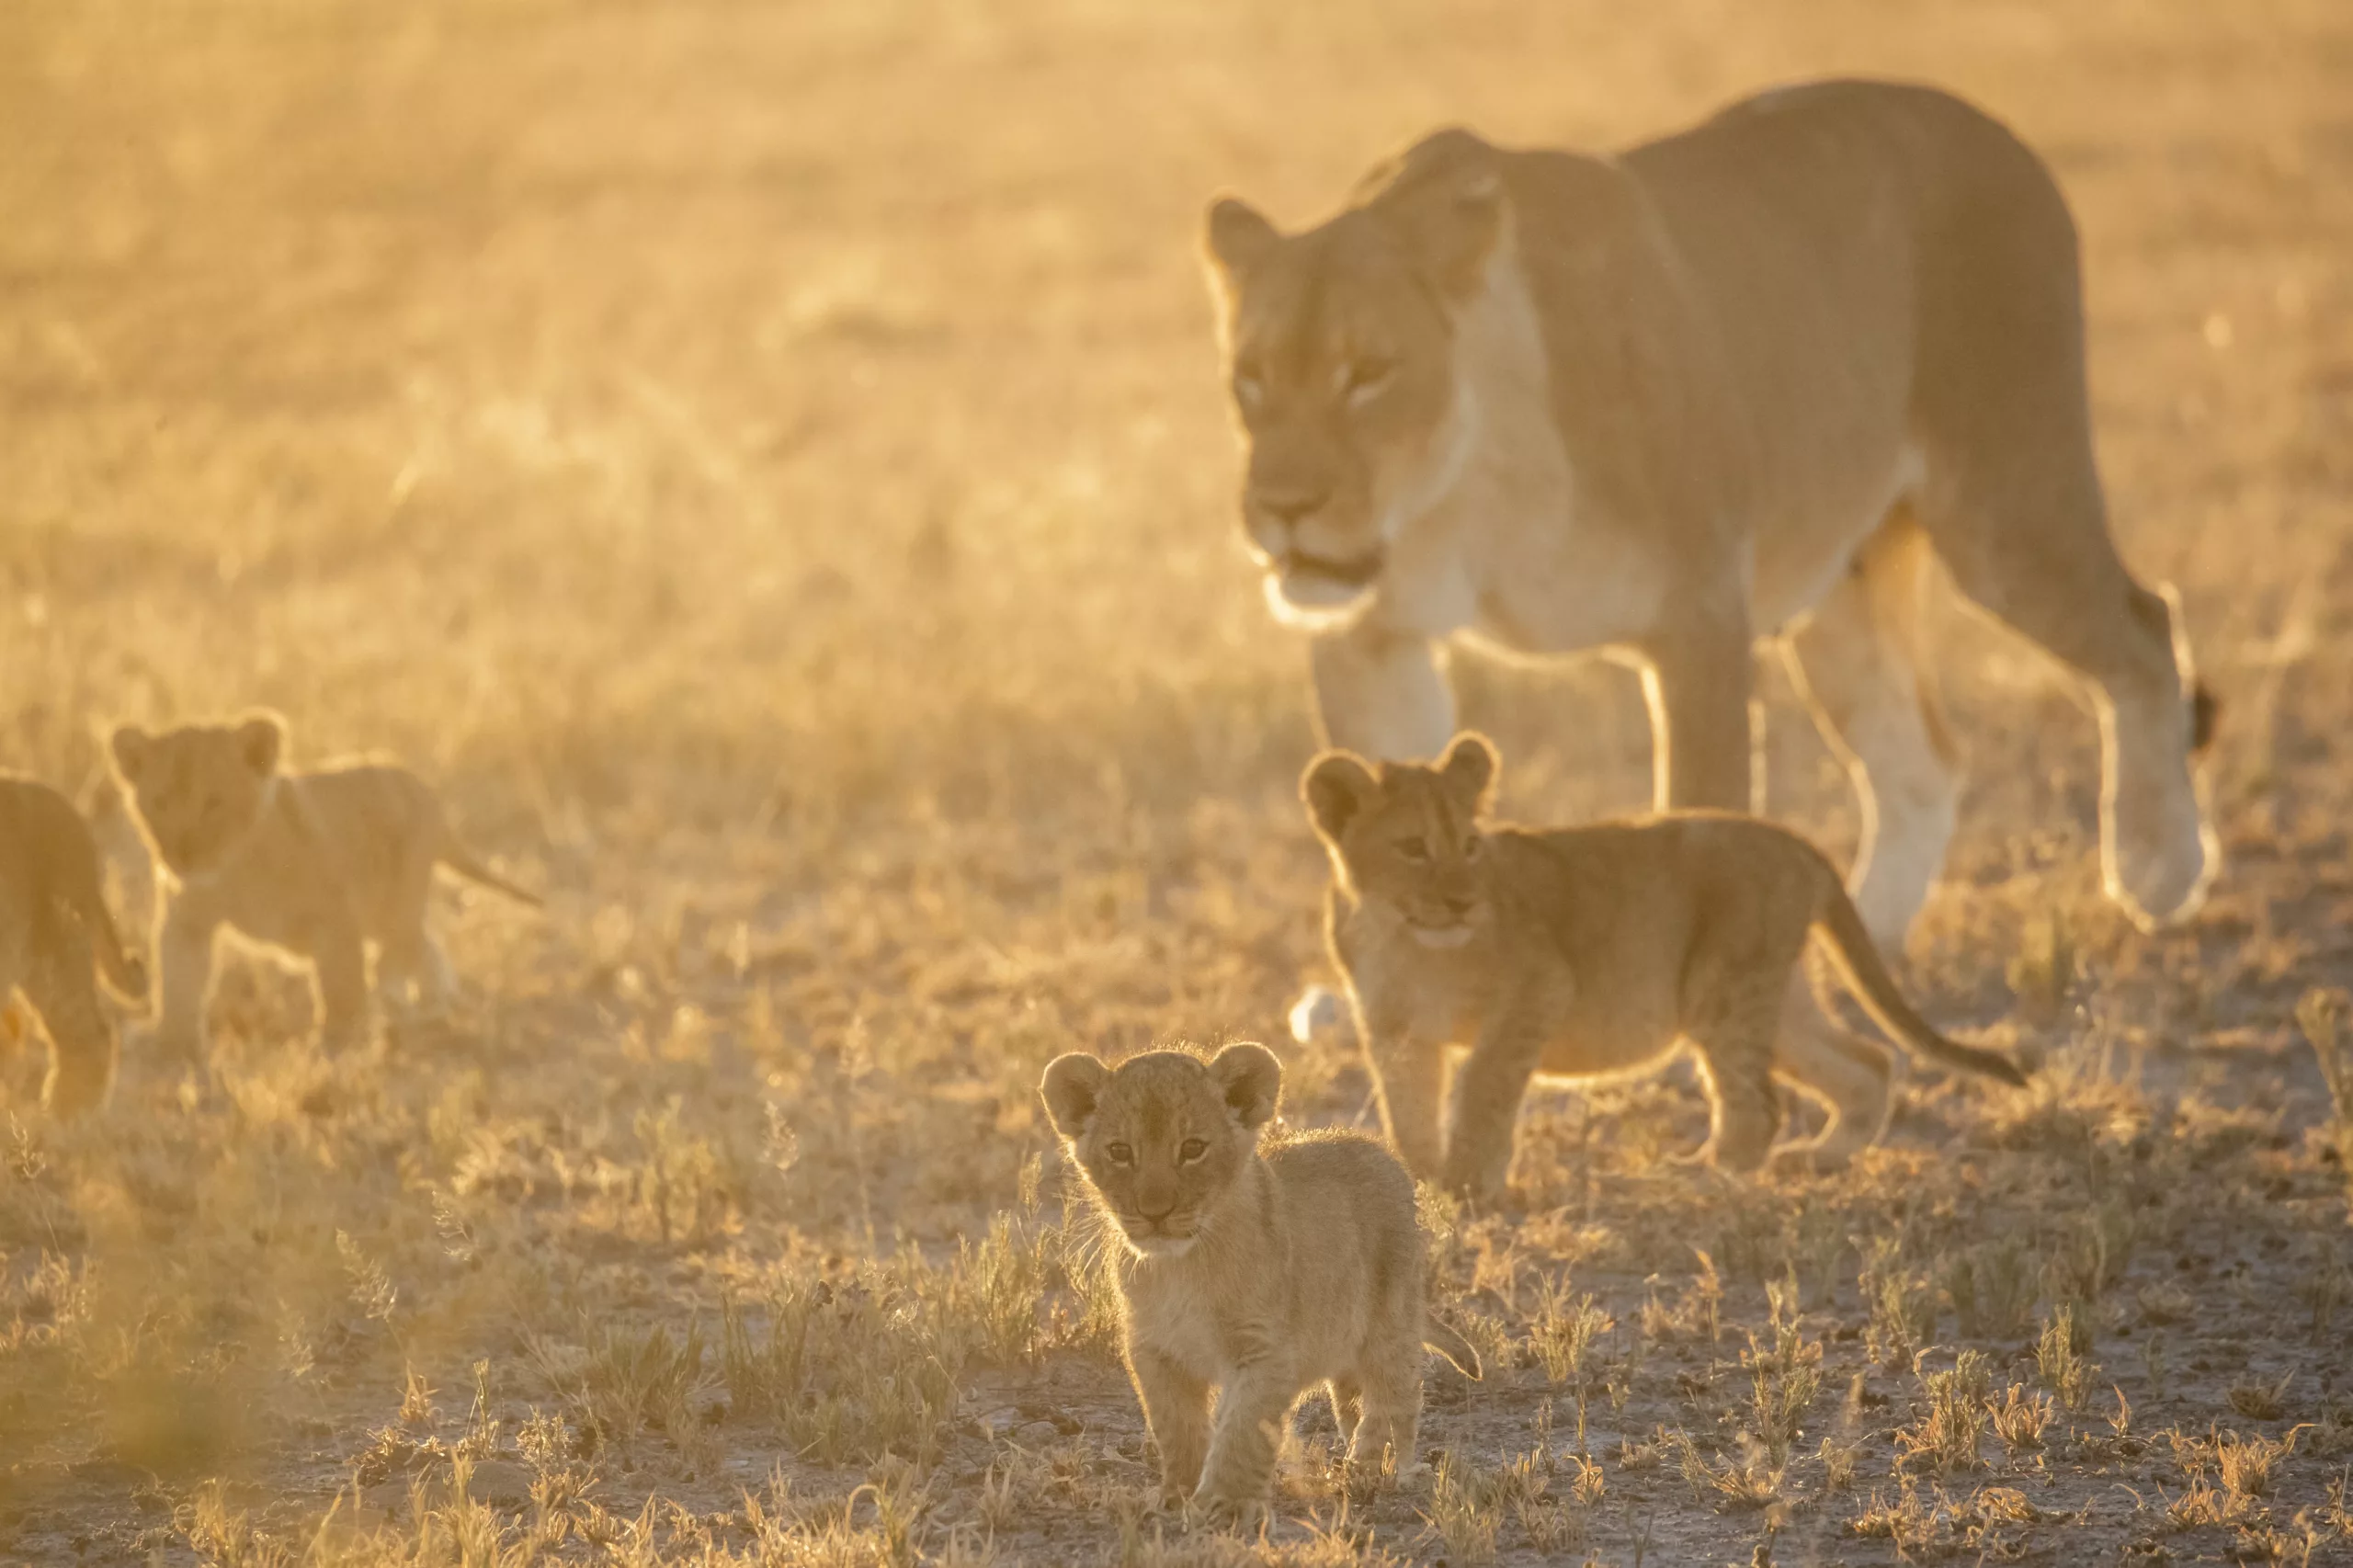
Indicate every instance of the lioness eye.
{"type": "Point", "coordinates": [1193, 1149]}
{"type": "Point", "coordinates": [1363, 381]}
{"type": "Point", "coordinates": [1413, 848]}
{"type": "Point", "coordinates": [1120, 1154]}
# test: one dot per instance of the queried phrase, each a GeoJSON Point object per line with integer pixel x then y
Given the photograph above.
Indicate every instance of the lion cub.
{"type": "Point", "coordinates": [1260, 1274]}
{"type": "Point", "coordinates": [1591, 950]}
{"type": "Point", "coordinates": [53, 926]}
{"type": "Point", "coordinates": [316, 864]}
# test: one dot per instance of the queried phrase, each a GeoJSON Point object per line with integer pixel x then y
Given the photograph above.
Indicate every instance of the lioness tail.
{"type": "Point", "coordinates": [1460, 1353]}
{"type": "Point", "coordinates": [1850, 947]}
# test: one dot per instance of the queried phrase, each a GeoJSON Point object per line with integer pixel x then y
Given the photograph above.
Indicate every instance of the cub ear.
{"type": "Point", "coordinates": [1335, 786]}
{"type": "Point", "coordinates": [1468, 768]}
{"type": "Point", "coordinates": [1073, 1088]}
{"type": "Point", "coordinates": [1444, 198]}
{"type": "Point", "coordinates": [1235, 238]}
{"type": "Point", "coordinates": [127, 745]}
{"type": "Point", "coordinates": [262, 737]}
{"type": "Point", "coordinates": [1252, 1081]}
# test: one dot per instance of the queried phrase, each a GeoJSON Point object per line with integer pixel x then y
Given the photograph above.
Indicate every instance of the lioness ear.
{"type": "Point", "coordinates": [261, 738]}
{"type": "Point", "coordinates": [1335, 786]}
{"type": "Point", "coordinates": [1468, 768]}
{"type": "Point", "coordinates": [1072, 1089]}
{"type": "Point", "coordinates": [1445, 200]}
{"type": "Point", "coordinates": [1251, 1080]}
{"type": "Point", "coordinates": [129, 745]}
{"type": "Point", "coordinates": [1235, 237]}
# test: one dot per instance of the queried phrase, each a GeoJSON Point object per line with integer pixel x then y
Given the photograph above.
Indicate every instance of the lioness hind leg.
{"type": "Point", "coordinates": [2012, 500]}
{"type": "Point", "coordinates": [1851, 1076]}
{"type": "Point", "coordinates": [1858, 663]}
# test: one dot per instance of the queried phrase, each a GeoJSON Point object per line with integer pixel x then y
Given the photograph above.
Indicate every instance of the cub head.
{"type": "Point", "coordinates": [1339, 354]}
{"type": "Point", "coordinates": [1163, 1136]}
{"type": "Point", "coordinates": [1406, 835]}
{"type": "Point", "coordinates": [197, 790]}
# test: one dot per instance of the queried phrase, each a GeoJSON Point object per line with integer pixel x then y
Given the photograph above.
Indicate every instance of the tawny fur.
{"type": "Point", "coordinates": [1756, 377]}
{"type": "Point", "coordinates": [1592, 950]}
{"type": "Point", "coordinates": [1259, 1273]}
{"type": "Point", "coordinates": [316, 864]}
{"type": "Point", "coordinates": [56, 934]}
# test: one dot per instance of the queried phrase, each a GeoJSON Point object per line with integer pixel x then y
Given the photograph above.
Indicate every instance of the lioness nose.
{"type": "Point", "coordinates": [1292, 506]}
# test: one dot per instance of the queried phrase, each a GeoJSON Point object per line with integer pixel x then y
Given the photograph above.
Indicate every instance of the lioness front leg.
{"type": "Point", "coordinates": [1380, 695]}
{"type": "Point", "coordinates": [1176, 1409]}
{"type": "Point", "coordinates": [1486, 1113]}
{"type": "Point", "coordinates": [1696, 679]}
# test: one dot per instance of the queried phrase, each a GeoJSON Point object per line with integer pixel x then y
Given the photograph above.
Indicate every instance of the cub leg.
{"type": "Point", "coordinates": [341, 961]}
{"type": "Point", "coordinates": [1736, 1045]}
{"type": "Point", "coordinates": [1347, 1410]}
{"type": "Point", "coordinates": [1238, 1475]}
{"type": "Point", "coordinates": [1858, 663]}
{"type": "Point", "coordinates": [1391, 1371]}
{"type": "Point", "coordinates": [410, 957]}
{"type": "Point", "coordinates": [1409, 1082]}
{"type": "Point", "coordinates": [1176, 1408]}
{"type": "Point", "coordinates": [183, 979]}
{"type": "Point", "coordinates": [1850, 1075]}
{"type": "Point", "coordinates": [1486, 1112]}
{"type": "Point", "coordinates": [82, 1045]}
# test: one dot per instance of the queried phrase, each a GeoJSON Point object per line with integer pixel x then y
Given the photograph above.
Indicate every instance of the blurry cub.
{"type": "Point", "coordinates": [316, 864]}
{"type": "Point", "coordinates": [1592, 950]}
{"type": "Point", "coordinates": [53, 926]}
{"type": "Point", "coordinates": [1258, 1274]}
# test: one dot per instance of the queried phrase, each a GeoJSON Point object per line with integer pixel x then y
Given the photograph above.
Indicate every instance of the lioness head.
{"type": "Point", "coordinates": [1163, 1136]}
{"type": "Point", "coordinates": [197, 791]}
{"type": "Point", "coordinates": [1338, 345]}
{"type": "Point", "coordinates": [1407, 836]}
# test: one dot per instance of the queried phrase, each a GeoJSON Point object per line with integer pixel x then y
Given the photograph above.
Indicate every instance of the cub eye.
{"type": "Point", "coordinates": [1413, 848]}
{"type": "Point", "coordinates": [1365, 379]}
{"type": "Point", "coordinates": [1193, 1149]}
{"type": "Point", "coordinates": [1248, 391]}
{"type": "Point", "coordinates": [1120, 1155]}
{"type": "Point", "coordinates": [1470, 848]}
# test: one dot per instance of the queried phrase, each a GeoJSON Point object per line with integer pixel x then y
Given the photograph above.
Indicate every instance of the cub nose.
{"type": "Point", "coordinates": [1293, 506]}
{"type": "Point", "coordinates": [1457, 905]}
{"type": "Point", "coordinates": [1155, 1206]}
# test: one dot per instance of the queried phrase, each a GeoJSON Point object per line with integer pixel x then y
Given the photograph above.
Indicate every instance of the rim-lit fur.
{"type": "Point", "coordinates": [1261, 1274]}
{"type": "Point", "coordinates": [56, 936]}
{"type": "Point", "coordinates": [1594, 950]}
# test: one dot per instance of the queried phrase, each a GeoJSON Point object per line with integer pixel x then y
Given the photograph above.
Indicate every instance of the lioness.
{"type": "Point", "coordinates": [54, 925]}
{"type": "Point", "coordinates": [1258, 1274]}
{"type": "Point", "coordinates": [1591, 950]}
{"type": "Point", "coordinates": [1749, 379]}
{"type": "Point", "coordinates": [316, 864]}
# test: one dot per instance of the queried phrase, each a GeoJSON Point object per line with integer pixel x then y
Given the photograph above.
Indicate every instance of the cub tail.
{"type": "Point", "coordinates": [469, 865]}
{"type": "Point", "coordinates": [1840, 927]}
{"type": "Point", "coordinates": [1460, 1353]}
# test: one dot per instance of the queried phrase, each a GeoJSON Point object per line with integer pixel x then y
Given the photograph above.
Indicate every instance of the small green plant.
{"type": "Point", "coordinates": [1902, 1309]}
{"type": "Point", "coordinates": [2020, 1418]}
{"type": "Point", "coordinates": [1564, 1329]}
{"type": "Point", "coordinates": [1992, 1287]}
{"type": "Point", "coordinates": [2042, 972]}
{"type": "Point", "coordinates": [1783, 1377]}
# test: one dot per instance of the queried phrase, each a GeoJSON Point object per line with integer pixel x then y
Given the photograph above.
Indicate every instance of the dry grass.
{"type": "Point", "coordinates": [766, 465]}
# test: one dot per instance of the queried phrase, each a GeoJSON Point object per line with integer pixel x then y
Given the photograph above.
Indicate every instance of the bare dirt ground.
{"type": "Point", "coordinates": [766, 463]}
